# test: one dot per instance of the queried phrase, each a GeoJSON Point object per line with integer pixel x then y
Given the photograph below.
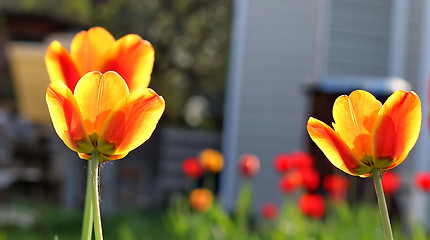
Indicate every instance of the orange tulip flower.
{"type": "Point", "coordinates": [211, 160]}
{"type": "Point", "coordinates": [96, 50]}
{"type": "Point", "coordinates": [101, 113]}
{"type": "Point", "coordinates": [368, 135]}
{"type": "Point", "coordinates": [201, 199]}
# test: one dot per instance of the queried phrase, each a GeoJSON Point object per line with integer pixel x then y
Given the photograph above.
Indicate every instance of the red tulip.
{"type": "Point", "coordinates": [310, 178]}
{"type": "Point", "coordinates": [283, 162]}
{"type": "Point", "coordinates": [192, 168]}
{"type": "Point", "coordinates": [391, 182]}
{"type": "Point", "coordinates": [312, 205]}
{"type": "Point", "coordinates": [290, 182]}
{"type": "Point", "coordinates": [269, 210]}
{"type": "Point", "coordinates": [303, 159]}
{"type": "Point", "coordinates": [336, 186]}
{"type": "Point", "coordinates": [422, 181]}
{"type": "Point", "coordinates": [249, 165]}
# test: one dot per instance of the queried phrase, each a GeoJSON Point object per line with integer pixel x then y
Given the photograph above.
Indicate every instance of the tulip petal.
{"type": "Point", "coordinates": [66, 117]}
{"type": "Point", "coordinates": [354, 116]}
{"type": "Point", "coordinates": [133, 59]}
{"type": "Point", "coordinates": [396, 129]}
{"type": "Point", "coordinates": [60, 66]}
{"type": "Point", "coordinates": [97, 95]}
{"type": "Point", "coordinates": [131, 123]}
{"type": "Point", "coordinates": [335, 149]}
{"type": "Point", "coordinates": [90, 48]}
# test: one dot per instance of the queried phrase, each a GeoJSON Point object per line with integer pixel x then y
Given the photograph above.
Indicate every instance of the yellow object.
{"type": "Point", "coordinates": [367, 135]}
{"type": "Point", "coordinates": [211, 160]}
{"type": "Point", "coordinates": [201, 199]}
{"type": "Point", "coordinates": [103, 115]}
{"type": "Point", "coordinates": [98, 97]}
{"type": "Point", "coordinates": [26, 61]}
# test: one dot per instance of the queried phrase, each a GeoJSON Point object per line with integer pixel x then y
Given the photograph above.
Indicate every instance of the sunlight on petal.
{"type": "Point", "coordinates": [97, 95]}
{"type": "Point", "coordinates": [397, 127]}
{"type": "Point", "coordinates": [354, 116]}
{"type": "Point", "coordinates": [60, 66]}
{"type": "Point", "coordinates": [334, 148]}
{"type": "Point", "coordinates": [66, 117]}
{"type": "Point", "coordinates": [133, 58]}
{"type": "Point", "coordinates": [90, 48]}
{"type": "Point", "coordinates": [131, 123]}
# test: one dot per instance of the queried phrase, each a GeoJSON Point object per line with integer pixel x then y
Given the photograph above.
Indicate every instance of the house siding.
{"type": "Point", "coordinates": [276, 67]}
{"type": "Point", "coordinates": [359, 34]}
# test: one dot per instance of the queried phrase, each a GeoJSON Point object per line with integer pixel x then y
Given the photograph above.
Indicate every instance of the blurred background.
{"type": "Point", "coordinates": [241, 76]}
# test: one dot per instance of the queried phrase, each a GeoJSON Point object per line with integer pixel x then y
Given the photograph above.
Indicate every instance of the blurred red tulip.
{"type": "Point", "coordinates": [422, 181]}
{"type": "Point", "coordinates": [303, 159]}
{"type": "Point", "coordinates": [192, 168]}
{"type": "Point", "coordinates": [290, 181]}
{"type": "Point", "coordinates": [312, 205]}
{"type": "Point", "coordinates": [391, 182]}
{"type": "Point", "coordinates": [310, 178]}
{"type": "Point", "coordinates": [269, 210]}
{"type": "Point", "coordinates": [249, 165]}
{"type": "Point", "coordinates": [283, 162]}
{"type": "Point", "coordinates": [336, 186]}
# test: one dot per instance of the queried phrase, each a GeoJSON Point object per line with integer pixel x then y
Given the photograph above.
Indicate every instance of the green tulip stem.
{"type": "Point", "coordinates": [377, 179]}
{"type": "Point", "coordinates": [87, 224]}
{"type": "Point", "coordinates": [95, 195]}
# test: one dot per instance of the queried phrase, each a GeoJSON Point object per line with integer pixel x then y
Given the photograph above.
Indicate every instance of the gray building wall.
{"type": "Point", "coordinates": [269, 101]}
{"type": "Point", "coordinates": [359, 36]}
{"type": "Point", "coordinates": [279, 46]}
{"type": "Point", "coordinates": [417, 69]}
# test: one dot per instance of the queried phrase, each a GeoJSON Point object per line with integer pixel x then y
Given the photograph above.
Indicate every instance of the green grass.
{"type": "Point", "coordinates": [51, 221]}
{"type": "Point", "coordinates": [180, 222]}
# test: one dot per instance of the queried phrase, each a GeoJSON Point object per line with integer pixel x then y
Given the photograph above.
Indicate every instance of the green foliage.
{"type": "Point", "coordinates": [191, 46]}
{"type": "Point", "coordinates": [214, 224]}
{"type": "Point", "coordinates": [243, 206]}
{"type": "Point", "coordinates": [190, 40]}
{"type": "Point", "coordinates": [340, 222]}
{"type": "Point", "coordinates": [191, 43]}
{"type": "Point", "coordinates": [77, 11]}
{"type": "Point", "coordinates": [180, 222]}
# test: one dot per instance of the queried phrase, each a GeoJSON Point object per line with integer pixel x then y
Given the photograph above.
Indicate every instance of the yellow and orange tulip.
{"type": "Point", "coordinates": [367, 135]}
{"type": "Point", "coordinates": [211, 160]}
{"type": "Point", "coordinates": [102, 114]}
{"type": "Point", "coordinates": [97, 50]}
{"type": "Point", "coordinates": [201, 199]}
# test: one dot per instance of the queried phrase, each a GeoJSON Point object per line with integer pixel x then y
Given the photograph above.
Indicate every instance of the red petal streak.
{"type": "Point", "coordinates": [60, 66]}
{"type": "Point", "coordinates": [335, 149]}
{"type": "Point", "coordinates": [133, 59]}
{"type": "Point", "coordinates": [132, 123]}
{"type": "Point", "coordinates": [396, 129]}
{"type": "Point", "coordinates": [67, 120]}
